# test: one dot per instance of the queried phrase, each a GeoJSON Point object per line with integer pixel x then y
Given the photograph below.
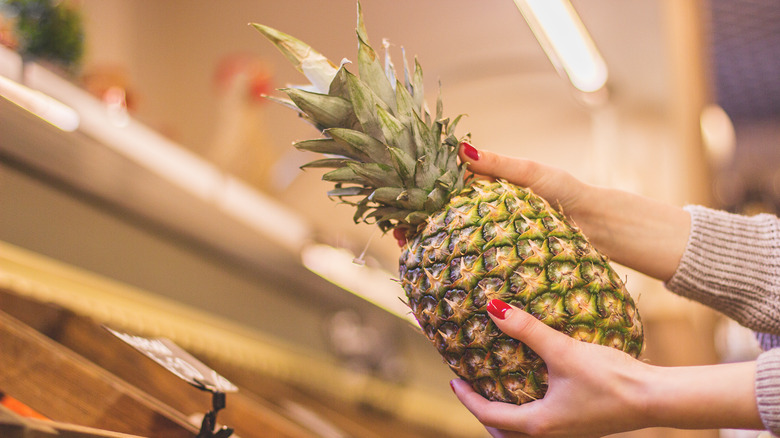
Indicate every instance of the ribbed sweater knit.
{"type": "Point", "coordinates": [731, 263]}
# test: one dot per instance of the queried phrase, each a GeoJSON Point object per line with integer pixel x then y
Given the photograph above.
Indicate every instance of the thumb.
{"type": "Point", "coordinates": [524, 327]}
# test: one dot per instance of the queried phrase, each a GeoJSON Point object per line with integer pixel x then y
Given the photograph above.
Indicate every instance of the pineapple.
{"type": "Point", "coordinates": [468, 240]}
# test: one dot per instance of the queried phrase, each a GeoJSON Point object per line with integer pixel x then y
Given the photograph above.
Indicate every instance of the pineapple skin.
{"type": "Point", "coordinates": [498, 240]}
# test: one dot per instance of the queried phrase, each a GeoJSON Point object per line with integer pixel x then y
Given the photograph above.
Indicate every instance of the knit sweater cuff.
{"type": "Point", "coordinates": [768, 389]}
{"type": "Point", "coordinates": [732, 264]}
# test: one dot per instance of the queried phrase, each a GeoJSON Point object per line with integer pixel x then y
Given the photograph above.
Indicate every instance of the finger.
{"type": "Point", "coordinates": [515, 170]}
{"type": "Point", "coordinates": [494, 415]}
{"type": "Point", "coordinates": [495, 433]}
{"type": "Point", "coordinates": [498, 433]}
{"type": "Point", "coordinates": [543, 339]}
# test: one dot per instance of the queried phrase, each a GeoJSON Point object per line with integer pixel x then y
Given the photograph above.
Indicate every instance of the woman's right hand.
{"type": "Point", "coordinates": [558, 187]}
{"type": "Point", "coordinates": [633, 230]}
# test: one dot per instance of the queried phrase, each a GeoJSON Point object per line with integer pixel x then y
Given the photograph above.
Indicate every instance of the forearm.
{"type": "Point", "coordinates": [703, 397]}
{"type": "Point", "coordinates": [635, 231]}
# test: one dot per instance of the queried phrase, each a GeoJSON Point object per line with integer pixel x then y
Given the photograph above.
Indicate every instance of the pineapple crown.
{"type": "Point", "coordinates": [390, 158]}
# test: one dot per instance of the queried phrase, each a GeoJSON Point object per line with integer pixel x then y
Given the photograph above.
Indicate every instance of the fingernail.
{"type": "Point", "coordinates": [452, 385]}
{"type": "Point", "coordinates": [498, 308]}
{"type": "Point", "coordinates": [400, 236]}
{"type": "Point", "coordinates": [470, 151]}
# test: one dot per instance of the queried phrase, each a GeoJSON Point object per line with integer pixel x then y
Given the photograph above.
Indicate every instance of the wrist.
{"type": "Point", "coordinates": [588, 210]}
{"type": "Point", "coordinates": [636, 231]}
{"type": "Point", "coordinates": [701, 397]}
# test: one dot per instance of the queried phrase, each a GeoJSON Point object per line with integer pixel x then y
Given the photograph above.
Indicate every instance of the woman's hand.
{"type": "Point", "coordinates": [592, 389]}
{"type": "Point", "coordinates": [555, 185]}
{"type": "Point", "coordinates": [595, 390]}
{"type": "Point", "coordinates": [633, 230]}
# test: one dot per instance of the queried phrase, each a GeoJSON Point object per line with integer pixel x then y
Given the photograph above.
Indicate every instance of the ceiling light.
{"type": "Point", "coordinates": [566, 42]}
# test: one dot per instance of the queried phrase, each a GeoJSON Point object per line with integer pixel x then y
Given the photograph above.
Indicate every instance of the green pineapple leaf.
{"type": "Point", "coordinates": [439, 105]}
{"type": "Point", "coordinates": [425, 173]}
{"type": "Point", "coordinates": [376, 174]}
{"type": "Point", "coordinates": [331, 146]}
{"type": "Point", "coordinates": [348, 191]}
{"type": "Point", "coordinates": [326, 163]}
{"type": "Point", "coordinates": [407, 73]}
{"type": "Point", "coordinates": [418, 90]}
{"type": "Point", "coordinates": [403, 163]}
{"type": "Point", "coordinates": [315, 66]}
{"type": "Point", "coordinates": [405, 105]}
{"type": "Point", "coordinates": [327, 111]}
{"type": "Point", "coordinates": [373, 75]}
{"type": "Point", "coordinates": [338, 87]}
{"type": "Point", "coordinates": [290, 104]}
{"type": "Point", "coordinates": [413, 199]}
{"type": "Point", "coordinates": [451, 127]}
{"type": "Point", "coordinates": [389, 66]}
{"type": "Point", "coordinates": [364, 104]}
{"type": "Point", "coordinates": [436, 199]}
{"type": "Point", "coordinates": [396, 133]}
{"type": "Point", "coordinates": [362, 33]}
{"type": "Point", "coordinates": [292, 48]}
{"type": "Point", "coordinates": [371, 147]}
{"type": "Point", "coordinates": [386, 195]}
{"type": "Point", "coordinates": [422, 135]}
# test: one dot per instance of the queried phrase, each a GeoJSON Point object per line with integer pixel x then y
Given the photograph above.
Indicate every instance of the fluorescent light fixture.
{"type": "Point", "coordinates": [566, 42]}
{"type": "Point", "coordinates": [46, 107]}
{"type": "Point", "coordinates": [338, 266]}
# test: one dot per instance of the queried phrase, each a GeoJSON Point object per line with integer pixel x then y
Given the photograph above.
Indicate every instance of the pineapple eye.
{"type": "Point", "coordinates": [507, 355]}
{"type": "Point", "coordinates": [533, 251]}
{"type": "Point", "coordinates": [565, 275]}
{"type": "Point", "coordinates": [474, 360]}
{"type": "Point", "coordinates": [614, 339]}
{"type": "Point", "coordinates": [583, 333]}
{"type": "Point", "coordinates": [477, 330]}
{"type": "Point", "coordinates": [447, 338]}
{"type": "Point", "coordinates": [549, 309]}
{"type": "Point", "coordinates": [455, 307]}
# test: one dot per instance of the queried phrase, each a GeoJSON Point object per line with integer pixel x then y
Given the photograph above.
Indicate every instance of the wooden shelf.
{"type": "Point", "coordinates": [94, 380]}
{"type": "Point", "coordinates": [13, 425]}
{"type": "Point", "coordinates": [63, 386]}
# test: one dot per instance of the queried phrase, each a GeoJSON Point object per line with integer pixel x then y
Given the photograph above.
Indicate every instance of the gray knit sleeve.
{"type": "Point", "coordinates": [732, 264]}
{"type": "Point", "coordinates": [768, 389]}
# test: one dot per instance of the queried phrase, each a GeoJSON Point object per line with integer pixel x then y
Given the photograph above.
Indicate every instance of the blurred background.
{"type": "Point", "coordinates": [158, 191]}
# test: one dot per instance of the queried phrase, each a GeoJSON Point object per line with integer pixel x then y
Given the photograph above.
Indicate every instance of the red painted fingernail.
{"type": "Point", "coordinates": [470, 151]}
{"type": "Point", "coordinates": [452, 385]}
{"type": "Point", "coordinates": [498, 308]}
{"type": "Point", "coordinates": [400, 236]}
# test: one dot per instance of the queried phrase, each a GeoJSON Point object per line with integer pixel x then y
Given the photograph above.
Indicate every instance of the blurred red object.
{"type": "Point", "coordinates": [253, 73]}
{"type": "Point", "coordinates": [7, 36]}
{"type": "Point", "coordinates": [19, 408]}
{"type": "Point", "coordinates": [110, 84]}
